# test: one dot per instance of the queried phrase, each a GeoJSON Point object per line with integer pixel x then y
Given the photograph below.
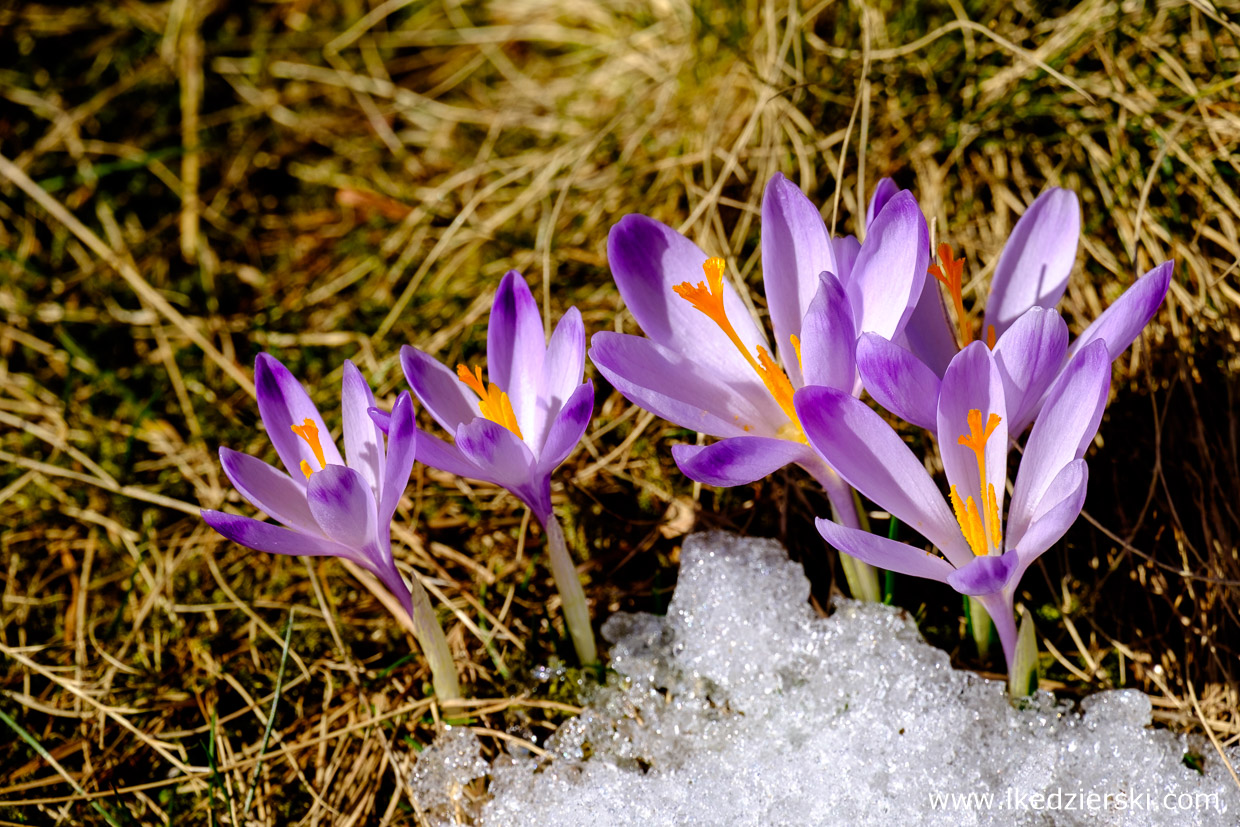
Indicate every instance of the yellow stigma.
{"type": "Point", "coordinates": [979, 525]}
{"type": "Point", "coordinates": [707, 296]}
{"type": "Point", "coordinates": [309, 432]}
{"type": "Point", "coordinates": [493, 403]}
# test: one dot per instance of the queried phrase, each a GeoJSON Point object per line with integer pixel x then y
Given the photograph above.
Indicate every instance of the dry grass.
{"type": "Point", "coordinates": [331, 180]}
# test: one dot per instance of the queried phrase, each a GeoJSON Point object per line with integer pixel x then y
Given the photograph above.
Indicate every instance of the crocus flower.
{"type": "Point", "coordinates": [330, 508]}
{"type": "Point", "coordinates": [977, 552]}
{"type": "Point", "coordinates": [1032, 271]}
{"type": "Point", "coordinates": [515, 429]}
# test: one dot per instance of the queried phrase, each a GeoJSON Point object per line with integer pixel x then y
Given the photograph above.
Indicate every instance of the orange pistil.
{"type": "Point", "coordinates": [707, 296]}
{"type": "Point", "coordinates": [493, 403]}
{"type": "Point", "coordinates": [983, 534]}
{"type": "Point", "coordinates": [950, 272]}
{"type": "Point", "coordinates": [309, 432]}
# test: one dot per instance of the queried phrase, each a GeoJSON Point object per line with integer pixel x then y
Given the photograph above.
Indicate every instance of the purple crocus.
{"type": "Point", "coordinates": [330, 508]}
{"type": "Point", "coordinates": [516, 429]}
{"type": "Point", "coordinates": [978, 553]}
{"type": "Point", "coordinates": [1032, 271]}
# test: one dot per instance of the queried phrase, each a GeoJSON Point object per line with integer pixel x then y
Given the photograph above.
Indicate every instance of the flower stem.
{"type": "Point", "coordinates": [434, 645]}
{"type": "Point", "coordinates": [980, 626]}
{"type": "Point", "coordinates": [572, 596]}
{"type": "Point", "coordinates": [846, 510]}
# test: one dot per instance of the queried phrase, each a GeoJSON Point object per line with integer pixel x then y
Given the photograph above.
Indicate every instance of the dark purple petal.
{"type": "Point", "coordinates": [1029, 356]}
{"type": "Point", "coordinates": [890, 270]}
{"type": "Point", "coordinates": [1035, 263]}
{"type": "Point", "coordinates": [1054, 513]}
{"type": "Point", "coordinates": [269, 489]}
{"type": "Point", "coordinates": [1062, 431]}
{"type": "Point", "coordinates": [828, 339]}
{"type": "Point", "coordinates": [898, 381]}
{"type": "Point", "coordinates": [516, 347]}
{"type": "Point", "coordinates": [679, 390]}
{"type": "Point", "coordinates": [884, 553]}
{"type": "Point", "coordinates": [282, 403]}
{"type": "Point", "coordinates": [871, 457]}
{"type": "Point", "coordinates": [563, 370]}
{"type": "Point", "coordinates": [343, 505]}
{"type": "Point", "coordinates": [567, 428]}
{"type": "Point", "coordinates": [275, 539]}
{"type": "Point", "coordinates": [647, 260]}
{"type": "Point", "coordinates": [847, 248]}
{"type": "Point", "coordinates": [363, 441]}
{"type": "Point", "coordinates": [1124, 320]}
{"type": "Point", "coordinates": [928, 333]}
{"type": "Point", "coordinates": [972, 382]}
{"type": "Point", "coordinates": [883, 193]}
{"type": "Point", "coordinates": [738, 460]}
{"type": "Point", "coordinates": [984, 575]}
{"type": "Point", "coordinates": [381, 418]}
{"type": "Point", "coordinates": [795, 249]}
{"type": "Point", "coordinates": [402, 447]}
{"type": "Point", "coordinates": [438, 389]}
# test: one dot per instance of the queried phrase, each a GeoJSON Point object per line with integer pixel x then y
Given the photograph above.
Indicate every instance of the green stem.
{"type": "Point", "coordinates": [572, 595]}
{"type": "Point", "coordinates": [980, 626]}
{"type": "Point", "coordinates": [434, 645]}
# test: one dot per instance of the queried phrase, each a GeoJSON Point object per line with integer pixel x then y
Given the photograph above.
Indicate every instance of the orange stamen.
{"type": "Point", "coordinates": [707, 296]}
{"type": "Point", "coordinates": [309, 432]}
{"type": "Point", "coordinates": [983, 534]}
{"type": "Point", "coordinates": [493, 403]}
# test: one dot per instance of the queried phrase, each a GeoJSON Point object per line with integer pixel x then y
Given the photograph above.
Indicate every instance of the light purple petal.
{"type": "Point", "coordinates": [516, 347]}
{"type": "Point", "coordinates": [1124, 320]}
{"type": "Point", "coordinates": [984, 575]}
{"type": "Point", "coordinates": [1029, 355]}
{"type": "Point", "coordinates": [282, 403]}
{"type": "Point", "coordinates": [1054, 513]}
{"type": "Point", "coordinates": [437, 453]}
{"type": "Point", "coordinates": [738, 460]}
{"type": "Point", "coordinates": [342, 504]}
{"type": "Point", "coordinates": [402, 447]}
{"type": "Point", "coordinates": [928, 334]}
{"type": "Point", "coordinates": [795, 249]}
{"type": "Point", "coordinates": [1062, 431]}
{"type": "Point", "coordinates": [1035, 263]}
{"type": "Point", "coordinates": [847, 248]}
{"type": "Point", "coordinates": [567, 428]}
{"type": "Point", "coordinates": [647, 260]}
{"type": "Point", "coordinates": [999, 607]}
{"type": "Point", "coordinates": [439, 389]}
{"type": "Point", "coordinates": [363, 440]}
{"type": "Point", "coordinates": [275, 539]}
{"type": "Point", "coordinates": [890, 270]}
{"type": "Point", "coordinates": [562, 373]}
{"type": "Point", "coordinates": [898, 381]}
{"type": "Point", "coordinates": [829, 340]}
{"type": "Point", "coordinates": [883, 192]}
{"type": "Point", "coordinates": [269, 489]}
{"type": "Point", "coordinates": [679, 390]}
{"type": "Point", "coordinates": [871, 457]}
{"type": "Point", "coordinates": [507, 461]}
{"type": "Point", "coordinates": [972, 382]}
{"type": "Point", "coordinates": [884, 553]}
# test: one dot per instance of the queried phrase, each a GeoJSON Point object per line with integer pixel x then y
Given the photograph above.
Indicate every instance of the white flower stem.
{"type": "Point", "coordinates": [845, 509]}
{"type": "Point", "coordinates": [572, 595]}
{"type": "Point", "coordinates": [434, 645]}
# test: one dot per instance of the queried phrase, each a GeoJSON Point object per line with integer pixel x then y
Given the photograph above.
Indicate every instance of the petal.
{"type": "Point", "coordinates": [676, 388]}
{"type": "Point", "coordinates": [847, 248]}
{"type": "Point", "coordinates": [884, 553]}
{"type": "Point", "coordinates": [737, 460]}
{"type": "Point", "coordinates": [274, 539]}
{"type": "Point", "coordinates": [1029, 356]}
{"type": "Point", "coordinates": [562, 372]}
{"type": "Point", "coordinates": [984, 575]}
{"type": "Point", "coordinates": [883, 193]}
{"type": "Point", "coordinates": [567, 428]}
{"type": "Point", "coordinates": [1062, 431]}
{"type": "Point", "coordinates": [898, 381]}
{"type": "Point", "coordinates": [437, 453]}
{"type": "Point", "coordinates": [928, 333]}
{"type": "Point", "coordinates": [828, 338]}
{"type": "Point", "coordinates": [438, 389]}
{"type": "Point", "coordinates": [363, 440]}
{"type": "Point", "coordinates": [381, 418]}
{"type": "Point", "coordinates": [1055, 513]}
{"type": "Point", "coordinates": [871, 457]}
{"type": "Point", "coordinates": [269, 489]}
{"type": "Point", "coordinates": [516, 347]}
{"type": "Point", "coordinates": [647, 260]}
{"type": "Point", "coordinates": [1035, 263]}
{"type": "Point", "coordinates": [972, 382]}
{"type": "Point", "coordinates": [282, 403]}
{"type": "Point", "coordinates": [506, 461]}
{"type": "Point", "coordinates": [402, 447]}
{"type": "Point", "coordinates": [342, 504]}
{"type": "Point", "coordinates": [890, 270]}
{"type": "Point", "coordinates": [1124, 320]}
{"type": "Point", "coordinates": [795, 249]}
